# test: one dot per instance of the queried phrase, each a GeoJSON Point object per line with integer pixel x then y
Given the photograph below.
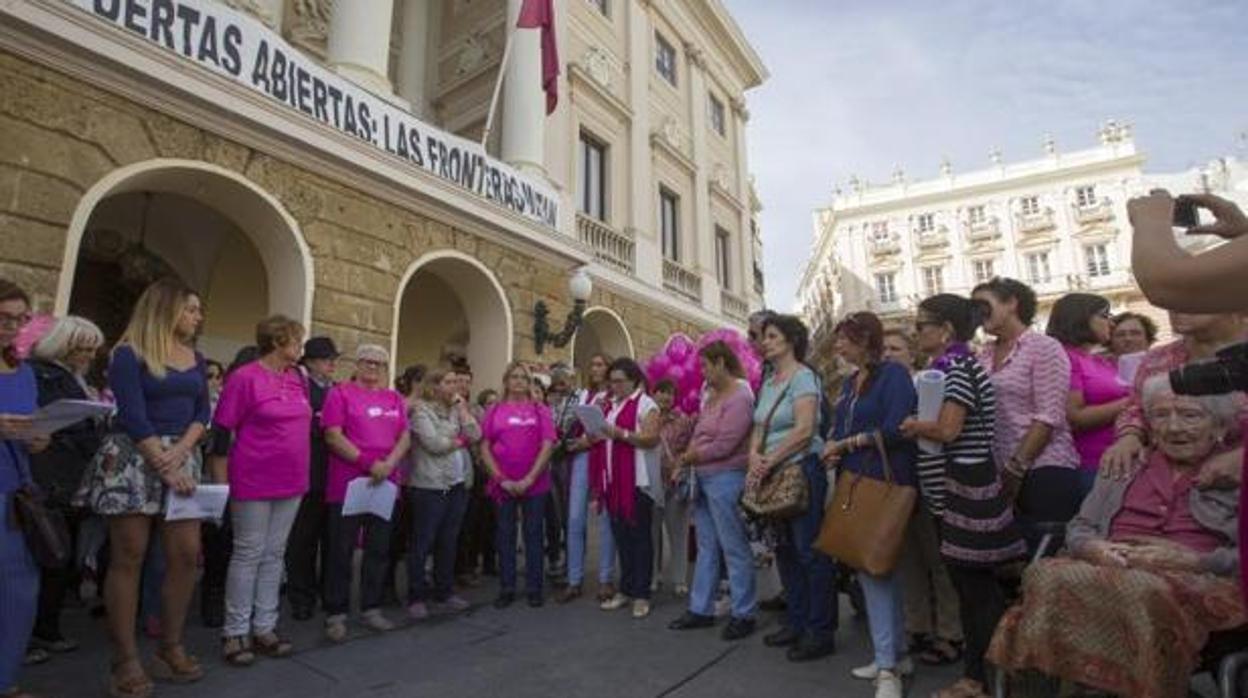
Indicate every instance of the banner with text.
{"type": "Point", "coordinates": [242, 48]}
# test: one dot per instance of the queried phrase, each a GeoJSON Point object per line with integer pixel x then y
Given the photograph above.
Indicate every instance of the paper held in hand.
{"type": "Point", "coordinates": [592, 419]}
{"type": "Point", "coordinates": [930, 386]}
{"type": "Point", "coordinates": [207, 502]}
{"type": "Point", "coordinates": [57, 415]}
{"type": "Point", "coordinates": [366, 497]}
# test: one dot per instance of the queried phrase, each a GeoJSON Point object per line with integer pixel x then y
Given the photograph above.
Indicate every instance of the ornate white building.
{"type": "Point", "coordinates": [1058, 223]}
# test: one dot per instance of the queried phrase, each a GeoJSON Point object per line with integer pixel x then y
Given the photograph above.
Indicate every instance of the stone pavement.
{"type": "Point", "coordinates": [574, 650]}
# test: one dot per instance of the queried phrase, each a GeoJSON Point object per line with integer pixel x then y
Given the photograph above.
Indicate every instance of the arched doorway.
{"type": "Point", "coordinates": [221, 234]}
{"type": "Point", "coordinates": [450, 303]}
{"type": "Point", "coordinates": [601, 332]}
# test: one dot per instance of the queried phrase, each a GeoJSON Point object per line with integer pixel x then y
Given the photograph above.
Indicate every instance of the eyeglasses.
{"type": "Point", "coordinates": [369, 363]}
{"type": "Point", "coordinates": [10, 320]}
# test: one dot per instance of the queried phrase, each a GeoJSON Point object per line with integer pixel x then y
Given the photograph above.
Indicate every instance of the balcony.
{"type": "Point", "coordinates": [983, 230]}
{"type": "Point", "coordinates": [680, 280]}
{"type": "Point", "coordinates": [884, 244]}
{"type": "Point", "coordinates": [1036, 222]}
{"type": "Point", "coordinates": [1100, 212]}
{"type": "Point", "coordinates": [933, 239]}
{"type": "Point", "coordinates": [733, 305]}
{"type": "Point", "coordinates": [615, 250]}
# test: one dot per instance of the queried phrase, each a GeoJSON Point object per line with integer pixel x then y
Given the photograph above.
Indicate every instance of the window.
{"type": "Point", "coordinates": [976, 215]}
{"type": "Point", "coordinates": [886, 286]}
{"type": "Point", "coordinates": [669, 212]}
{"type": "Point", "coordinates": [665, 59]}
{"type": "Point", "coordinates": [1030, 205]}
{"type": "Point", "coordinates": [925, 222]}
{"type": "Point", "coordinates": [982, 270]}
{"type": "Point", "coordinates": [601, 5]}
{"type": "Point", "coordinates": [1038, 268]}
{"type": "Point", "coordinates": [879, 231]}
{"type": "Point", "coordinates": [1085, 197]}
{"type": "Point", "coordinates": [723, 260]}
{"type": "Point", "coordinates": [593, 178]}
{"type": "Point", "coordinates": [1097, 257]}
{"type": "Point", "coordinates": [933, 280]}
{"type": "Point", "coordinates": [716, 113]}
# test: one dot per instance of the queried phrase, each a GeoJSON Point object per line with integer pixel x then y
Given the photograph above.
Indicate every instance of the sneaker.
{"type": "Point", "coordinates": [453, 604]}
{"type": "Point", "coordinates": [614, 603]}
{"type": "Point", "coordinates": [336, 628]}
{"type": "Point", "coordinates": [417, 611]}
{"type": "Point", "coordinates": [888, 685]}
{"type": "Point", "coordinates": [871, 672]}
{"type": "Point", "coordinates": [641, 608]}
{"type": "Point", "coordinates": [377, 622]}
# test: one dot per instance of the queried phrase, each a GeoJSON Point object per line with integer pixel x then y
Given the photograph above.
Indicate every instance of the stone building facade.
{"type": "Point", "coordinates": [133, 146]}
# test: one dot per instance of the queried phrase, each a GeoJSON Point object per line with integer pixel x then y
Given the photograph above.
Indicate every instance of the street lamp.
{"type": "Point", "coordinates": [579, 287]}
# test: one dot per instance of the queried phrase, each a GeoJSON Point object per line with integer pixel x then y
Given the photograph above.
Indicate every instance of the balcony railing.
{"type": "Point", "coordinates": [613, 249]}
{"type": "Point", "coordinates": [733, 305]}
{"type": "Point", "coordinates": [1036, 222]}
{"type": "Point", "coordinates": [885, 244]}
{"type": "Point", "coordinates": [986, 229]}
{"type": "Point", "coordinates": [931, 239]}
{"type": "Point", "coordinates": [1099, 212]}
{"type": "Point", "coordinates": [681, 280]}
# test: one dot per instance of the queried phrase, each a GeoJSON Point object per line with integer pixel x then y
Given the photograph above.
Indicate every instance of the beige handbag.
{"type": "Point", "coordinates": [866, 522]}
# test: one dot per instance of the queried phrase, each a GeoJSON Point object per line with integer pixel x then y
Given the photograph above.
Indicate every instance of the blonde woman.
{"type": "Point", "coordinates": [60, 361]}
{"type": "Point", "coordinates": [159, 382]}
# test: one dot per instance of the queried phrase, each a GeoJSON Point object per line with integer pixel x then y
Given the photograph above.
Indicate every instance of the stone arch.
{"type": "Point", "coordinates": [602, 331]}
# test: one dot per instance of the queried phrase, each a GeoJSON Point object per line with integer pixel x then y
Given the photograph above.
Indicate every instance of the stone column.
{"type": "Point", "coordinates": [524, 103]}
{"type": "Point", "coordinates": [413, 55]}
{"type": "Point", "coordinates": [642, 194]}
{"type": "Point", "coordinates": [359, 42]}
{"type": "Point", "coordinates": [745, 242]}
{"type": "Point", "coordinates": [700, 241]}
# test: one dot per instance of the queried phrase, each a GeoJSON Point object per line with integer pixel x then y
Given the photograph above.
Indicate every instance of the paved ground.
{"type": "Point", "coordinates": [574, 650]}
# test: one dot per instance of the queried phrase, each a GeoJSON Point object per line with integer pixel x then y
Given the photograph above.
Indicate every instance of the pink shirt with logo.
{"type": "Point", "coordinates": [269, 416]}
{"type": "Point", "coordinates": [372, 420]}
{"type": "Point", "coordinates": [515, 432]}
{"type": "Point", "coordinates": [1096, 377]}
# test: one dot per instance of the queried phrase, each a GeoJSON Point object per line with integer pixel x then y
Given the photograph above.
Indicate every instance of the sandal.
{"type": "Point", "coordinates": [35, 655]}
{"type": "Point", "coordinates": [236, 651]}
{"type": "Point", "coordinates": [941, 652]}
{"type": "Point", "coordinates": [172, 663]}
{"type": "Point", "coordinates": [963, 688]}
{"type": "Point", "coordinates": [272, 645]}
{"type": "Point", "coordinates": [130, 684]}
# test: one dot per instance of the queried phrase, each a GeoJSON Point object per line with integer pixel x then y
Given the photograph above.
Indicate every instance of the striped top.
{"type": "Point", "coordinates": [1032, 384]}
{"type": "Point", "coordinates": [967, 385]}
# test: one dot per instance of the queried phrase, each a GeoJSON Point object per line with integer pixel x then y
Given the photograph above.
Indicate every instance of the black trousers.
{"type": "Point", "coordinates": [981, 602]}
{"type": "Point", "coordinates": [476, 535]}
{"type": "Point", "coordinates": [217, 543]}
{"type": "Point", "coordinates": [307, 552]}
{"type": "Point", "coordinates": [1048, 496]}
{"type": "Point", "coordinates": [635, 546]}
{"type": "Point", "coordinates": [54, 585]}
{"type": "Point", "coordinates": [343, 531]}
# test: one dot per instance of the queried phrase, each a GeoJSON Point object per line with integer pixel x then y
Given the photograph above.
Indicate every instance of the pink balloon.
{"type": "Point", "coordinates": [691, 404]}
{"type": "Point", "coordinates": [679, 347]}
{"type": "Point", "coordinates": [31, 333]}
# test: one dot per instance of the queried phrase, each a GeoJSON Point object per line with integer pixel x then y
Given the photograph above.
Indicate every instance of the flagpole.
{"type": "Point", "coordinates": [498, 86]}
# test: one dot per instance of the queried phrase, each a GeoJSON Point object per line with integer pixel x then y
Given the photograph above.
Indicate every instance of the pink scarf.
{"type": "Point", "coordinates": [614, 472]}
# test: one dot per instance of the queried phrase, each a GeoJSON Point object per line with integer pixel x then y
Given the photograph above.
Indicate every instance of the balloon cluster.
{"type": "Point", "coordinates": [678, 362]}
{"type": "Point", "coordinates": [31, 333]}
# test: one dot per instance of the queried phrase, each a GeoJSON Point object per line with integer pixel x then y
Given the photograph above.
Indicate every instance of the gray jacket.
{"type": "Point", "coordinates": [440, 456]}
{"type": "Point", "coordinates": [1215, 509]}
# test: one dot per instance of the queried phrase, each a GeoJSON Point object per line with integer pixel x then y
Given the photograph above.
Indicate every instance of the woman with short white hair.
{"type": "Point", "coordinates": [61, 361]}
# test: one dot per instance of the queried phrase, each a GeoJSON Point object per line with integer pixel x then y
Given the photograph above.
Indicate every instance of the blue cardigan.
{"type": "Point", "coordinates": [888, 400]}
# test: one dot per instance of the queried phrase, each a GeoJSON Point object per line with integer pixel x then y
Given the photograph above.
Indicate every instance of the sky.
{"type": "Point", "coordinates": [863, 87]}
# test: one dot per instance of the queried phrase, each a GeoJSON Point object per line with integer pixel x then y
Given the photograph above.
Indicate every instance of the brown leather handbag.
{"type": "Point", "coordinates": [866, 522]}
{"type": "Point", "coordinates": [783, 493]}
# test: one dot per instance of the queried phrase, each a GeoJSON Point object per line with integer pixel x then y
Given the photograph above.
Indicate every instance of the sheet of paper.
{"type": "Point", "coordinates": [57, 415]}
{"type": "Point", "coordinates": [364, 497]}
{"type": "Point", "coordinates": [207, 502]}
{"type": "Point", "coordinates": [592, 418]}
{"type": "Point", "coordinates": [931, 388]}
{"type": "Point", "coordinates": [1128, 366]}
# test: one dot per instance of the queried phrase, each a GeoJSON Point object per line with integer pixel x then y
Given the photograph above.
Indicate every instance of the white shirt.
{"type": "Point", "coordinates": [644, 407]}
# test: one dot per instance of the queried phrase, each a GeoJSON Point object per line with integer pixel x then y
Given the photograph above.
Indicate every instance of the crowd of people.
{"type": "Point", "coordinates": [1071, 438]}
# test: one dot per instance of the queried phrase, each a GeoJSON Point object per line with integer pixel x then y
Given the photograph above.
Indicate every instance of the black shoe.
{"type": "Point", "coordinates": [691, 621]}
{"type": "Point", "coordinates": [808, 650]}
{"type": "Point", "coordinates": [505, 599]}
{"type": "Point", "coordinates": [783, 637]}
{"type": "Point", "coordinates": [774, 604]}
{"type": "Point", "coordinates": [536, 601]}
{"type": "Point", "coordinates": [738, 629]}
{"type": "Point", "coordinates": [302, 612]}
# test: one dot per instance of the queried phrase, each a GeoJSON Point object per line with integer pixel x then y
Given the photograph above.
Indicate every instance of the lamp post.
{"type": "Point", "coordinates": [579, 287]}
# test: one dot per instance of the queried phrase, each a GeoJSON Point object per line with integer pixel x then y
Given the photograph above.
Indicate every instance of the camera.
{"type": "Point", "coordinates": [1226, 373]}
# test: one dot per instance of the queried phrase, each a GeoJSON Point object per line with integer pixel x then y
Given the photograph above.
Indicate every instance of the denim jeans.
{"type": "Point", "coordinates": [578, 519]}
{"type": "Point", "coordinates": [722, 536]}
{"type": "Point", "coordinates": [808, 575]}
{"type": "Point", "coordinates": [436, 516]}
{"type": "Point", "coordinates": [636, 545]}
{"type": "Point", "coordinates": [885, 617]}
{"type": "Point", "coordinates": [675, 521]}
{"type": "Point", "coordinates": [343, 532]}
{"type": "Point", "coordinates": [19, 592]}
{"type": "Point", "coordinates": [253, 584]}
{"type": "Point", "coordinates": [532, 511]}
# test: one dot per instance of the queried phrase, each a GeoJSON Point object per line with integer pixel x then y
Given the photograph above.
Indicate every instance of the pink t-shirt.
{"type": "Point", "coordinates": [270, 419]}
{"type": "Point", "coordinates": [515, 431]}
{"type": "Point", "coordinates": [1097, 378]}
{"type": "Point", "coordinates": [372, 420]}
